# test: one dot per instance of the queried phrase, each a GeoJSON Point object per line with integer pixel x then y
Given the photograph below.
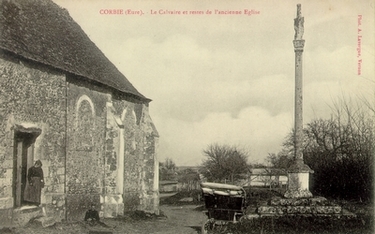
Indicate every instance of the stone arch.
{"type": "Point", "coordinates": [123, 115]}
{"type": "Point", "coordinates": [79, 102]}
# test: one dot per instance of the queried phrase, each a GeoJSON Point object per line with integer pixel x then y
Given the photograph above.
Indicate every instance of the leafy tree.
{"type": "Point", "coordinates": [224, 163]}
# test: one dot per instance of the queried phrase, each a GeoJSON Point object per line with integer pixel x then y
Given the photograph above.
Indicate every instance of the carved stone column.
{"type": "Point", "coordinates": [298, 173]}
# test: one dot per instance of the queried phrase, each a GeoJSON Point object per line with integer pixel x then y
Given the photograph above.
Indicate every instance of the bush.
{"type": "Point", "coordinates": [307, 225]}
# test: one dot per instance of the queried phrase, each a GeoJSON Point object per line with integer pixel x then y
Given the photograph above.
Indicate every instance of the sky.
{"type": "Point", "coordinates": [229, 79]}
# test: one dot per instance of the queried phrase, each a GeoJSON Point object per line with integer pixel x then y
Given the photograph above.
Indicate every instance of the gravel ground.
{"type": "Point", "coordinates": [179, 218]}
{"type": "Point", "coordinates": [185, 219]}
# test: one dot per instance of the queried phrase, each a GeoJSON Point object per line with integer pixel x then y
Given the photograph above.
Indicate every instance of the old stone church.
{"type": "Point", "coordinates": [64, 103]}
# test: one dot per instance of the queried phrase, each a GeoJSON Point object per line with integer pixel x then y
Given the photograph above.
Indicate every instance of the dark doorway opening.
{"type": "Point", "coordinates": [23, 159]}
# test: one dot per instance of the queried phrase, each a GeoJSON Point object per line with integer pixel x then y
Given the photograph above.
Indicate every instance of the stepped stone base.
{"type": "Point", "coordinates": [298, 193]}
{"type": "Point", "coordinates": [46, 221]}
{"type": "Point", "coordinates": [315, 206]}
{"type": "Point", "coordinates": [21, 216]}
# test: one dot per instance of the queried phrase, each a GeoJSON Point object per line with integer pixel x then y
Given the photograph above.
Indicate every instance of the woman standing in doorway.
{"type": "Point", "coordinates": [35, 183]}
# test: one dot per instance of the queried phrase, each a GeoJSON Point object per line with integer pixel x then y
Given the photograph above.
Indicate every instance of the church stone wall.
{"type": "Point", "coordinates": [100, 184]}
{"type": "Point", "coordinates": [82, 128]}
{"type": "Point", "coordinates": [33, 96]}
{"type": "Point", "coordinates": [85, 149]}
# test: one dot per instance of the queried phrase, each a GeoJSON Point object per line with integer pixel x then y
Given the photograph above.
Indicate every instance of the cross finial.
{"type": "Point", "coordinates": [298, 10]}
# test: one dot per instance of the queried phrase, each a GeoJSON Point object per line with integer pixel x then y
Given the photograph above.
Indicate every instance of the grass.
{"type": "Point", "coordinates": [306, 225]}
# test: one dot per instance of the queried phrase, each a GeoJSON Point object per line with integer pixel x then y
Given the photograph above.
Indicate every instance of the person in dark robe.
{"type": "Point", "coordinates": [34, 184]}
{"type": "Point", "coordinates": [92, 215]}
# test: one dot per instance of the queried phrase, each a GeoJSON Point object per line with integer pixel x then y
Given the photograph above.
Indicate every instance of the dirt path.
{"type": "Point", "coordinates": [179, 220]}
{"type": "Point", "coordinates": [182, 219]}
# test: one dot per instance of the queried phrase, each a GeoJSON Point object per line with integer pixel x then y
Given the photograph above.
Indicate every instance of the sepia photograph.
{"type": "Point", "coordinates": [187, 116]}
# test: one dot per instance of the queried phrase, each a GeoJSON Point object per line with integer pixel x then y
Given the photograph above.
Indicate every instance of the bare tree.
{"type": "Point", "coordinates": [340, 150]}
{"type": "Point", "coordinates": [167, 170]}
{"type": "Point", "coordinates": [189, 179]}
{"type": "Point", "coordinates": [282, 160]}
{"type": "Point", "coordinates": [224, 163]}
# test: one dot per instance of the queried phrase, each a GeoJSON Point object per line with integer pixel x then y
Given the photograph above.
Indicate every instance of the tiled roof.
{"type": "Point", "coordinates": [42, 31]}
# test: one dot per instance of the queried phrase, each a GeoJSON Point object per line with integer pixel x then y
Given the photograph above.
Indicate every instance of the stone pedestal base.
{"type": "Point", "coordinates": [298, 181]}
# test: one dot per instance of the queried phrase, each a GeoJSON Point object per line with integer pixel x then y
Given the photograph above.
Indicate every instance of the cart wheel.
{"type": "Point", "coordinates": [242, 219]}
{"type": "Point", "coordinates": [207, 226]}
{"type": "Point", "coordinates": [204, 229]}
{"type": "Point", "coordinates": [220, 228]}
{"type": "Point", "coordinates": [210, 226]}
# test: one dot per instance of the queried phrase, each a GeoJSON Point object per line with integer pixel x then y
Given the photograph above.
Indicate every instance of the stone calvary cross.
{"type": "Point", "coordinates": [298, 200]}
{"type": "Point", "coordinates": [298, 173]}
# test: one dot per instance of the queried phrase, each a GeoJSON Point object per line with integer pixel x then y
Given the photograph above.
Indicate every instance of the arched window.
{"type": "Point", "coordinates": [85, 123]}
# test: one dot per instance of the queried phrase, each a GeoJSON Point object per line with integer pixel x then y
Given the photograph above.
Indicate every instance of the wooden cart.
{"type": "Point", "coordinates": [225, 203]}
